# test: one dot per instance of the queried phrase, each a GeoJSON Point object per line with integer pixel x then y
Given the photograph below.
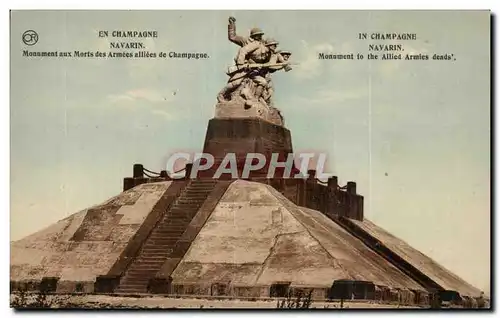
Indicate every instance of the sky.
{"type": "Point", "coordinates": [414, 135]}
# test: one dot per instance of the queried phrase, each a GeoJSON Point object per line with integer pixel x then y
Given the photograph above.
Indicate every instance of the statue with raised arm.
{"type": "Point", "coordinates": [249, 85]}
{"type": "Point", "coordinates": [248, 62]}
{"type": "Point", "coordinates": [255, 34]}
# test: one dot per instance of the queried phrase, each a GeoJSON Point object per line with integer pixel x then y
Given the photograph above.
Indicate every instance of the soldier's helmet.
{"type": "Point", "coordinates": [270, 42]}
{"type": "Point", "coordinates": [256, 31]}
{"type": "Point", "coordinates": [285, 52]}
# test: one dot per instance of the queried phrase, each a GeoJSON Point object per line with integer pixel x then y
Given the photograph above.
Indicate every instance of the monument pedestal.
{"type": "Point", "coordinates": [241, 109]}
{"type": "Point", "coordinates": [246, 135]}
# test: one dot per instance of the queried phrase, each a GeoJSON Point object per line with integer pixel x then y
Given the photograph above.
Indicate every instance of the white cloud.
{"type": "Point", "coordinates": [388, 68]}
{"type": "Point", "coordinates": [145, 94]}
{"type": "Point", "coordinates": [164, 113]}
{"type": "Point", "coordinates": [326, 96]}
{"type": "Point", "coordinates": [155, 100]}
{"type": "Point", "coordinates": [309, 64]}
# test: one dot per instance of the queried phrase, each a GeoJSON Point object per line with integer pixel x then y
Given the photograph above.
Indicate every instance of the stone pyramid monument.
{"type": "Point", "coordinates": [255, 237]}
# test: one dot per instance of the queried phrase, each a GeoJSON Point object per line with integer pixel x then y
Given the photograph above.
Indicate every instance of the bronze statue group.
{"type": "Point", "coordinates": [257, 59]}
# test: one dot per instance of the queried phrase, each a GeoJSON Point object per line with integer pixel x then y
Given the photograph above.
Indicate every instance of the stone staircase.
{"type": "Point", "coordinates": [162, 240]}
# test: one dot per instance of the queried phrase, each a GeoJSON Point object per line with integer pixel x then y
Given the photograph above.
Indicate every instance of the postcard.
{"type": "Point", "coordinates": [250, 159]}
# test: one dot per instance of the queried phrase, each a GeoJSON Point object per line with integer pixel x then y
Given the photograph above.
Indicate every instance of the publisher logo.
{"type": "Point", "coordinates": [30, 37]}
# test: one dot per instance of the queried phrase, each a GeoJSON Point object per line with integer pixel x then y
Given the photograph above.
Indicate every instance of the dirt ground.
{"type": "Point", "coordinates": [101, 301]}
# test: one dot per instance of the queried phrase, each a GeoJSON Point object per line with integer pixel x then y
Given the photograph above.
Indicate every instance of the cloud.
{"type": "Point", "coordinates": [327, 95]}
{"type": "Point", "coordinates": [151, 99]}
{"type": "Point", "coordinates": [310, 65]}
{"type": "Point", "coordinates": [390, 67]}
{"type": "Point", "coordinates": [120, 98]}
{"type": "Point", "coordinates": [164, 113]}
{"type": "Point", "coordinates": [144, 94]}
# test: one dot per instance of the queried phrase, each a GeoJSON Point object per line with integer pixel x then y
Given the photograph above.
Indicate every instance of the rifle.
{"type": "Point", "coordinates": [235, 68]}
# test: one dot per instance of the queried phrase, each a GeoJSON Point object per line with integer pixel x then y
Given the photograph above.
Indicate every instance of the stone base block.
{"type": "Point", "coordinates": [240, 109]}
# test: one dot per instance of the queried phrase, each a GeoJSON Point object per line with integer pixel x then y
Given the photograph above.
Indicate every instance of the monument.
{"type": "Point", "coordinates": [246, 120]}
{"type": "Point", "coordinates": [259, 237]}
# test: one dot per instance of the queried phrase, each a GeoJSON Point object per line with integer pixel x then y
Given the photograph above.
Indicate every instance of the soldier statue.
{"type": "Point", "coordinates": [254, 52]}
{"type": "Point", "coordinates": [250, 78]}
{"type": "Point", "coordinates": [283, 57]}
{"type": "Point", "coordinates": [255, 34]}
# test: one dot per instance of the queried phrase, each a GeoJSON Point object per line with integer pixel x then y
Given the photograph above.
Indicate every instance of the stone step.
{"type": "Point", "coordinates": [150, 263]}
{"type": "Point", "coordinates": [201, 186]}
{"type": "Point", "coordinates": [172, 234]}
{"type": "Point", "coordinates": [162, 233]}
{"type": "Point", "coordinates": [188, 203]}
{"type": "Point", "coordinates": [190, 199]}
{"type": "Point", "coordinates": [161, 240]}
{"type": "Point", "coordinates": [156, 250]}
{"type": "Point", "coordinates": [139, 276]}
{"type": "Point", "coordinates": [179, 217]}
{"type": "Point", "coordinates": [164, 237]}
{"type": "Point", "coordinates": [152, 248]}
{"type": "Point", "coordinates": [144, 267]}
{"type": "Point", "coordinates": [178, 222]}
{"type": "Point", "coordinates": [141, 270]}
{"type": "Point", "coordinates": [204, 186]}
{"type": "Point", "coordinates": [137, 280]}
{"type": "Point", "coordinates": [134, 289]}
{"type": "Point", "coordinates": [169, 227]}
{"type": "Point", "coordinates": [131, 291]}
{"type": "Point", "coordinates": [195, 194]}
{"type": "Point", "coordinates": [151, 259]}
{"type": "Point", "coordinates": [182, 220]}
{"type": "Point", "coordinates": [182, 213]}
{"type": "Point", "coordinates": [159, 245]}
{"type": "Point", "coordinates": [174, 221]}
{"type": "Point", "coordinates": [203, 181]}
{"type": "Point", "coordinates": [198, 189]}
{"type": "Point", "coordinates": [184, 206]}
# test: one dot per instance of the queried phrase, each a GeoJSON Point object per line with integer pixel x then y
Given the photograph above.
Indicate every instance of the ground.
{"type": "Point", "coordinates": [101, 301]}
